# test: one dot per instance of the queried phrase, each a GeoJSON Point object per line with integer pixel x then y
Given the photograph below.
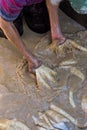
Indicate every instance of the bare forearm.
{"type": "Point", "coordinates": [53, 6]}
{"type": "Point", "coordinates": [14, 37]}
{"type": "Point", "coordinates": [54, 20]}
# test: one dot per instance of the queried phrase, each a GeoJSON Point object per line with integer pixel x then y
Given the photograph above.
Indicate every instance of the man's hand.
{"type": "Point", "coordinates": [33, 64]}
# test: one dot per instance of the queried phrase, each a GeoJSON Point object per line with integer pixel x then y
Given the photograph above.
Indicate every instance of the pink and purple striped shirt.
{"type": "Point", "coordinates": [10, 9]}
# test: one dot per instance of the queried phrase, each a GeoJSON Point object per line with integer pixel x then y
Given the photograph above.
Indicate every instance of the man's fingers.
{"type": "Point", "coordinates": [61, 41]}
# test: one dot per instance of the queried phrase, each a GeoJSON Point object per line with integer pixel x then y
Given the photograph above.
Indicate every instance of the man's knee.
{"type": "Point", "coordinates": [55, 2]}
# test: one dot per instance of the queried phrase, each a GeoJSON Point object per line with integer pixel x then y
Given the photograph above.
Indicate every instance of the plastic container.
{"type": "Point", "coordinates": [66, 7]}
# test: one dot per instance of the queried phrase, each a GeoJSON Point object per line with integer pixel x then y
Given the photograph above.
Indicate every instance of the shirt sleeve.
{"type": "Point", "coordinates": [10, 9]}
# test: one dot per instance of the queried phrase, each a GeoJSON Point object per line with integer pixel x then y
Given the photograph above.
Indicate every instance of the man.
{"type": "Point", "coordinates": [10, 10]}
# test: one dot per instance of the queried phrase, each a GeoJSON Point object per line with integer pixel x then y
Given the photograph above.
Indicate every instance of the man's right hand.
{"type": "Point", "coordinates": [33, 64]}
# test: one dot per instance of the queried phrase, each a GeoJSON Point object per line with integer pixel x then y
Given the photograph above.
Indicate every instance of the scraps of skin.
{"type": "Point", "coordinates": [6, 124]}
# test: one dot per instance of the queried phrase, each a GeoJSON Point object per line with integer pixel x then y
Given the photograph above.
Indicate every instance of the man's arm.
{"type": "Point", "coordinates": [52, 6]}
{"type": "Point", "coordinates": [13, 36]}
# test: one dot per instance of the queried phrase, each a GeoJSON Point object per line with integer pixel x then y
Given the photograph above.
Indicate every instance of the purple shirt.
{"type": "Point", "coordinates": [10, 9]}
